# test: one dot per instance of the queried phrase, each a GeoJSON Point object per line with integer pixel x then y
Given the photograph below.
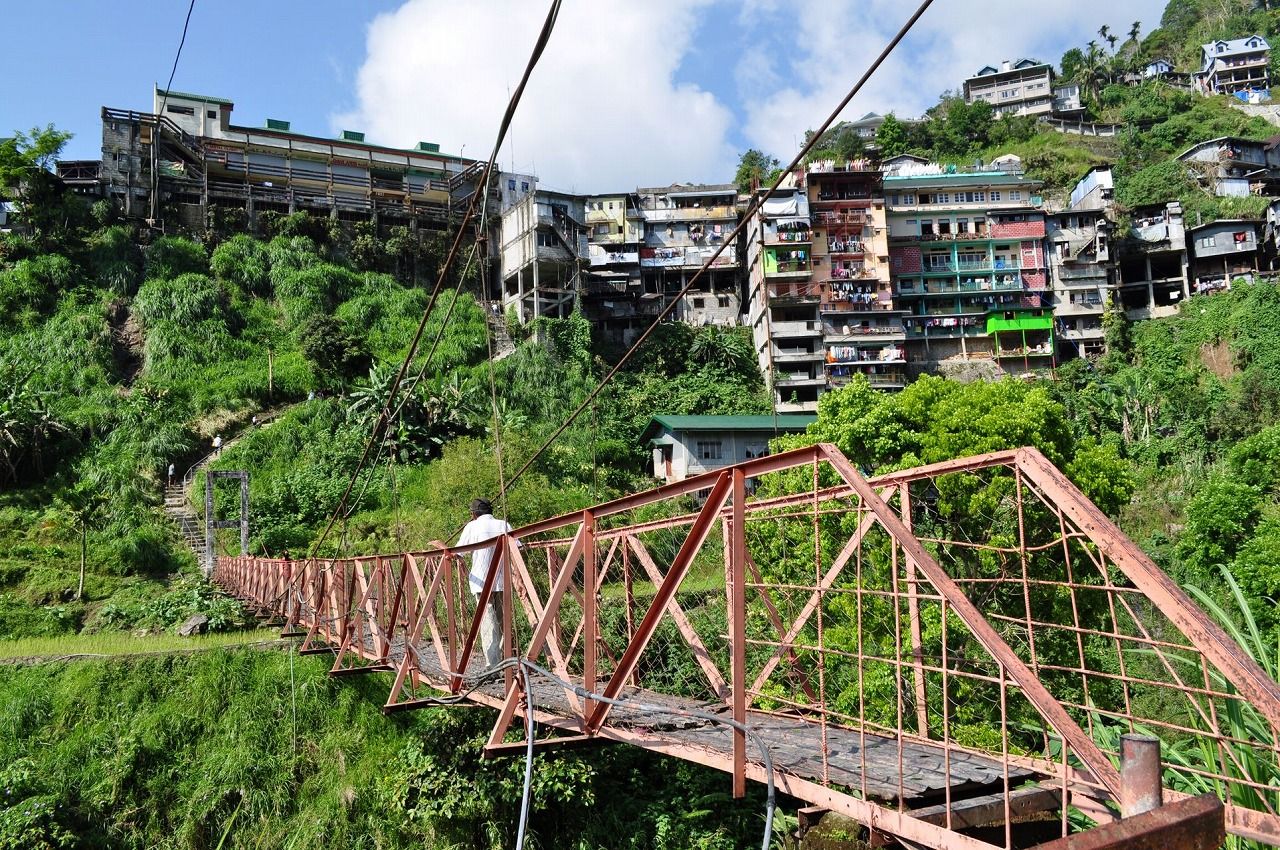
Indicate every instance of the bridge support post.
{"type": "Point", "coordinates": [1140, 787]}
{"type": "Point", "coordinates": [737, 629]}
{"type": "Point", "coordinates": [212, 523]}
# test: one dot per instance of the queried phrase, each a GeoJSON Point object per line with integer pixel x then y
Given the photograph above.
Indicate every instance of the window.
{"type": "Point", "coordinates": [962, 225]}
{"type": "Point", "coordinates": [181, 110]}
{"type": "Point", "coordinates": [911, 199]}
{"type": "Point", "coordinates": [710, 450]}
{"type": "Point", "coordinates": [995, 196]}
{"type": "Point", "coordinates": [212, 113]}
{"type": "Point", "coordinates": [979, 197]}
{"type": "Point", "coordinates": [942, 198]}
{"type": "Point", "coordinates": [1015, 195]}
{"type": "Point", "coordinates": [524, 185]}
{"type": "Point", "coordinates": [511, 185]}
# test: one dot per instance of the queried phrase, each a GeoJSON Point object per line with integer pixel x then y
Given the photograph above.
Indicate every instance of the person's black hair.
{"type": "Point", "coordinates": [480, 507]}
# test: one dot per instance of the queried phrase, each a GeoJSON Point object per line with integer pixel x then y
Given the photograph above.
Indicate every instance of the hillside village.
{"type": "Point", "coordinates": [942, 468]}
{"type": "Point", "coordinates": [869, 260]}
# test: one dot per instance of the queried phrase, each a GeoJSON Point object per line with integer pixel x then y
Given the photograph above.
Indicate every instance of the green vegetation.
{"type": "Point", "coordinates": [240, 749]}
{"type": "Point", "coordinates": [121, 353]}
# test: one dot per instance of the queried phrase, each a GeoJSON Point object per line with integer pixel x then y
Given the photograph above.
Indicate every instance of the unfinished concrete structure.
{"type": "Point", "coordinates": [543, 252]}
{"type": "Point", "coordinates": [1081, 263]}
{"type": "Point", "coordinates": [1153, 263]}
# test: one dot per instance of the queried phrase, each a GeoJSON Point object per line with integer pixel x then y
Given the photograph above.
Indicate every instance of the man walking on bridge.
{"type": "Point", "coordinates": [484, 526]}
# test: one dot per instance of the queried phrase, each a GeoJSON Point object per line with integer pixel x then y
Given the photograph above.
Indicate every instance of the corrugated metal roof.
{"type": "Point", "coordinates": [788, 422]}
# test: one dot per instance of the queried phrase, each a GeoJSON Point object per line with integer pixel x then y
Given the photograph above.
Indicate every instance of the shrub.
{"type": "Point", "coordinates": [170, 256]}
{"type": "Point", "coordinates": [245, 262]}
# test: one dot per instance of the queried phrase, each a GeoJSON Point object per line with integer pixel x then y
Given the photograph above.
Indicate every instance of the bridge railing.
{"type": "Point", "coordinates": [977, 620]}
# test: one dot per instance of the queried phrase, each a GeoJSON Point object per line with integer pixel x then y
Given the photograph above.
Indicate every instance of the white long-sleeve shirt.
{"type": "Point", "coordinates": [479, 530]}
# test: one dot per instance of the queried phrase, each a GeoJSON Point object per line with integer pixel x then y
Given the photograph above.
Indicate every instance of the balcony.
{"type": "Point", "coordinates": [858, 333]}
{"type": "Point", "coordinates": [831, 218]}
{"type": "Point", "coordinates": [847, 200]}
{"type": "Point", "coordinates": [853, 166]}
{"type": "Point", "coordinates": [865, 357]}
{"type": "Point", "coordinates": [788, 269]}
{"type": "Point", "coordinates": [941, 238]}
{"type": "Point", "coordinates": [832, 303]}
{"type": "Point", "coordinates": [860, 273]}
{"type": "Point", "coordinates": [781, 356]}
{"type": "Point", "coordinates": [788, 237]}
{"type": "Point", "coordinates": [922, 331]}
{"type": "Point", "coordinates": [796, 329]}
{"type": "Point", "coordinates": [846, 247]}
{"type": "Point", "coordinates": [798, 379]}
{"type": "Point", "coordinates": [878, 380]}
{"type": "Point", "coordinates": [795, 291]}
{"type": "Point", "coordinates": [608, 258]}
{"type": "Point", "coordinates": [691, 213]}
{"type": "Point", "coordinates": [1017, 230]}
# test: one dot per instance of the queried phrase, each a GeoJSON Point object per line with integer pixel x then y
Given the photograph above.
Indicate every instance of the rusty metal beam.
{"type": "Point", "coordinates": [663, 594]}
{"type": "Point", "coordinates": [1195, 823]}
{"type": "Point", "coordinates": [1035, 691]}
{"type": "Point", "coordinates": [1206, 635]}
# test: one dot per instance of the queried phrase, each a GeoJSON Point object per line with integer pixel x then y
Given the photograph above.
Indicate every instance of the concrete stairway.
{"type": "Point", "coordinates": [190, 525]}
{"type": "Point", "coordinates": [503, 345]}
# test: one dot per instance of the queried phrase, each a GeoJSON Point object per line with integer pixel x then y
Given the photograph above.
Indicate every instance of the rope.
{"type": "Point", "coordinates": [385, 414]}
{"type": "Point", "coordinates": [165, 98]}
{"type": "Point", "coordinates": [728, 240]}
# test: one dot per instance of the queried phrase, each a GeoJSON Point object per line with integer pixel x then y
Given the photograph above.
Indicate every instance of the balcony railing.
{"type": "Point", "coordinates": [690, 213]}
{"type": "Point", "coordinates": [1017, 230]}
{"type": "Point", "coordinates": [832, 304]}
{"type": "Point", "coordinates": [846, 246]}
{"type": "Point", "coordinates": [971, 236]}
{"type": "Point", "coordinates": [840, 217]}
{"type": "Point", "coordinates": [795, 290]}
{"type": "Point", "coordinates": [875, 331]}
{"type": "Point", "coordinates": [788, 268]}
{"type": "Point", "coordinates": [788, 237]}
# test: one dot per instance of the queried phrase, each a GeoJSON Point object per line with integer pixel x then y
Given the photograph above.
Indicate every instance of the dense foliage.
{"type": "Point", "coordinates": [248, 749]}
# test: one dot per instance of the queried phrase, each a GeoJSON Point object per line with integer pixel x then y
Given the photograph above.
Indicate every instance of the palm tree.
{"type": "Point", "coordinates": [1135, 30]}
{"type": "Point", "coordinates": [1104, 32]}
{"type": "Point", "coordinates": [1111, 39]}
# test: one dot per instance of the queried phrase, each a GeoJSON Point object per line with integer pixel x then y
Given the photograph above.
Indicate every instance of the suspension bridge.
{"type": "Point", "coordinates": [1032, 678]}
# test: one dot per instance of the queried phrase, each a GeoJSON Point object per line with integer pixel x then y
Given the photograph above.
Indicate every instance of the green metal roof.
{"type": "Point", "coordinates": [189, 96]}
{"type": "Point", "coordinates": [789, 422]}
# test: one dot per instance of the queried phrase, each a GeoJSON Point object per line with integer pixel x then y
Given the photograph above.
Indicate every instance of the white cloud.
{"type": "Point", "coordinates": [602, 111]}
{"type": "Point", "coordinates": [823, 46]}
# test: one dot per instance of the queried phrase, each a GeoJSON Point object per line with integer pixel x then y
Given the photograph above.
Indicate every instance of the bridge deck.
{"type": "Point", "coordinates": [874, 766]}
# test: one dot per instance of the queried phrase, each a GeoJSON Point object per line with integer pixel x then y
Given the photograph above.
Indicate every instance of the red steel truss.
{"type": "Point", "coordinates": [863, 629]}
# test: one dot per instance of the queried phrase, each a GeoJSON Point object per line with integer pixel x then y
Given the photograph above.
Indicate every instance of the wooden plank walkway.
{"type": "Point", "coordinates": [872, 766]}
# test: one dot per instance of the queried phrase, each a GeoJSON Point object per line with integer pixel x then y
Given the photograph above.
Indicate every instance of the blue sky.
{"type": "Point", "coordinates": [628, 93]}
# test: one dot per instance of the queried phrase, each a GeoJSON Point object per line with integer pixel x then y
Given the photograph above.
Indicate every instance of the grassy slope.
{"type": "Point", "coordinates": [243, 749]}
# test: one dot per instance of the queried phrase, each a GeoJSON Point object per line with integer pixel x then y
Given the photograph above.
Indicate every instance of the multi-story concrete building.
{"type": "Point", "coordinates": [1153, 262]}
{"type": "Point", "coordinates": [968, 266]}
{"type": "Point", "coordinates": [1017, 87]}
{"type": "Point", "coordinates": [1222, 251]}
{"type": "Point", "coordinates": [613, 295]}
{"type": "Point", "coordinates": [1080, 264]}
{"type": "Point", "coordinates": [543, 253]}
{"type": "Point", "coordinates": [684, 227]}
{"type": "Point", "coordinates": [1228, 66]}
{"type": "Point", "coordinates": [185, 157]}
{"type": "Point", "coordinates": [862, 329]}
{"type": "Point", "coordinates": [783, 302]}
